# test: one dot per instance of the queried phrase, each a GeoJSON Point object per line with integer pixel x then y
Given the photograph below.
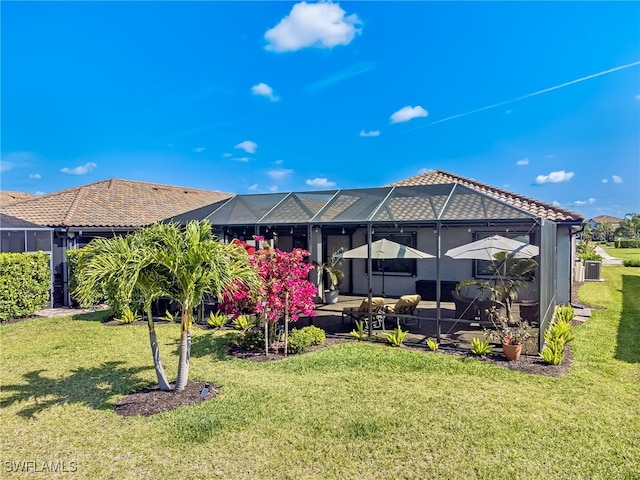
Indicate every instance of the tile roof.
{"type": "Point", "coordinates": [607, 218]}
{"type": "Point", "coordinates": [112, 203]}
{"type": "Point", "coordinates": [7, 197]}
{"type": "Point", "coordinates": [536, 207]}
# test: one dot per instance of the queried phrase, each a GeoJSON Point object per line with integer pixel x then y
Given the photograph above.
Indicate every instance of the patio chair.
{"type": "Point", "coordinates": [466, 308]}
{"type": "Point", "coordinates": [406, 305]}
{"type": "Point", "coordinates": [361, 313]}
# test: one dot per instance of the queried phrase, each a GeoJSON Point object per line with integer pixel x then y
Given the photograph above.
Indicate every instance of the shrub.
{"type": "Point", "coordinates": [25, 282]}
{"type": "Point", "coordinates": [317, 334]}
{"type": "Point", "coordinates": [627, 243]}
{"type": "Point", "coordinates": [481, 347]}
{"type": "Point", "coordinates": [300, 339]}
{"type": "Point", "coordinates": [631, 262]}
{"type": "Point", "coordinates": [251, 340]}
{"type": "Point", "coordinates": [396, 338]}
{"type": "Point", "coordinates": [590, 257]}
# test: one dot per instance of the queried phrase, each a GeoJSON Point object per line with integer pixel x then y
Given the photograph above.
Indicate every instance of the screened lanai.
{"type": "Point", "coordinates": [431, 218]}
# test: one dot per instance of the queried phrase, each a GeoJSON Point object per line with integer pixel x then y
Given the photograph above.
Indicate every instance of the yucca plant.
{"type": "Point", "coordinates": [217, 320]}
{"type": "Point", "coordinates": [564, 313]}
{"type": "Point", "coordinates": [432, 344]}
{"type": "Point", "coordinates": [481, 347]}
{"type": "Point", "coordinates": [243, 323]}
{"type": "Point", "coordinates": [129, 316]}
{"type": "Point", "coordinates": [359, 332]}
{"type": "Point", "coordinates": [396, 338]}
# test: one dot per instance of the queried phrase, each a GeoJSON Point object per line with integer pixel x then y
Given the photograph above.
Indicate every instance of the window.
{"type": "Point", "coordinates": [396, 266]}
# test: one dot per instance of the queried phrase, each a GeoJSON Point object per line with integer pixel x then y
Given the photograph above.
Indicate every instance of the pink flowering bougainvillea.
{"type": "Point", "coordinates": [281, 272]}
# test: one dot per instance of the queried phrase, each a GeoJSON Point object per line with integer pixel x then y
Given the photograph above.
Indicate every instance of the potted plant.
{"type": "Point", "coordinates": [330, 272]}
{"type": "Point", "coordinates": [512, 336]}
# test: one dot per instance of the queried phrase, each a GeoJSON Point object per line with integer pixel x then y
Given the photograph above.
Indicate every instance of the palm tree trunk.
{"type": "Point", "coordinates": [155, 352]}
{"type": "Point", "coordinates": [185, 351]}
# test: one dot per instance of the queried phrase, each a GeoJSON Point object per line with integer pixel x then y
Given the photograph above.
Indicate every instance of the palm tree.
{"type": "Point", "coordinates": [123, 265]}
{"type": "Point", "coordinates": [513, 274]}
{"type": "Point", "coordinates": [198, 265]}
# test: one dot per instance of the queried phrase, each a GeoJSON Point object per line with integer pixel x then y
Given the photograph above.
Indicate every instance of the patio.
{"type": "Point", "coordinates": [454, 333]}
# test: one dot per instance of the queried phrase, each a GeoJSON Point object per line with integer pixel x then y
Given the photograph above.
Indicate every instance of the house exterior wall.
{"type": "Point", "coordinates": [564, 266]}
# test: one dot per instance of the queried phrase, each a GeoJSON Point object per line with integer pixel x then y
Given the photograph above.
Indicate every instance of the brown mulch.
{"type": "Point", "coordinates": [152, 400]}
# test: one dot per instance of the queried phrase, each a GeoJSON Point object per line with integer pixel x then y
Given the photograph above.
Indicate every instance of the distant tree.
{"type": "Point", "coordinates": [603, 231]}
{"type": "Point", "coordinates": [629, 227]}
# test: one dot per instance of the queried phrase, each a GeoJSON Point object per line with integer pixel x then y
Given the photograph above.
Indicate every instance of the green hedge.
{"type": "Point", "coordinates": [627, 243]}
{"type": "Point", "coordinates": [25, 283]}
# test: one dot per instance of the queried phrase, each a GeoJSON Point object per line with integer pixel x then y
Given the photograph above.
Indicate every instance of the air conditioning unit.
{"type": "Point", "coordinates": [592, 270]}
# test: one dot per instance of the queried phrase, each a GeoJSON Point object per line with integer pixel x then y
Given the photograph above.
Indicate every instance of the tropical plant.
{"type": "Point", "coordinates": [331, 269]}
{"type": "Point", "coordinates": [129, 316]}
{"type": "Point", "coordinates": [432, 344]}
{"type": "Point", "coordinates": [396, 337]}
{"type": "Point", "coordinates": [359, 332]}
{"type": "Point", "coordinates": [629, 227]}
{"type": "Point", "coordinates": [217, 320]}
{"type": "Point", "coordinates": [166, 260]}
{"type": "Point", "coordinates": [564, 313]}
{"type": "Point", "coordinates": [513, 274]}
{"type": "Point", "coordinates": [300, 339]}
{"type": "Point", "coordinates": [123, 267]}
{"type": "Point", "coordinates": [505, 332]}
{"type": "Point", "coordinates": [481, 347]}
{"type": "Point", "coordinates": [557, 336]}
{"type": "Point", "coordinates": [243, 323]}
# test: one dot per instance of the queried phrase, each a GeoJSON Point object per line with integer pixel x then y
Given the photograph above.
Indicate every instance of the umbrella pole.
{"type": "Point", "coordinates": [438, 313]}
{"type": "Point", "coordinates": [382, 261]}
{"type": "Point", "coordinates": [369, 268]}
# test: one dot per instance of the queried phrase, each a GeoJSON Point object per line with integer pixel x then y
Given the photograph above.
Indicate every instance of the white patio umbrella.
{"type": "Point", "coordinates": [486, 248]}
{"type": "Point", "coordinates": [384, 249]}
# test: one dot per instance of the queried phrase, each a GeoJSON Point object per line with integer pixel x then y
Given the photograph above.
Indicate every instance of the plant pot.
{"type": "Point", "coordinates": [512, 352]}
{"type": "Point", "coordinates": [331, 296]}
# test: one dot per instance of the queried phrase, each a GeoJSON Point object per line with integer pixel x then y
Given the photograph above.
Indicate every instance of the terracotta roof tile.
{"type": "Point", "coordinates": [536, 207]}
{"type": "Point", "coordinates": [112, 203]}
{"type": "Point", "coordinates": [7, 197]}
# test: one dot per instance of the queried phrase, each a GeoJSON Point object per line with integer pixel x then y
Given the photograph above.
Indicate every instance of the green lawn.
{"type": "Point", "coordinates": [352, 411]}
{"type": "Point", "coordinates": [623, 253]}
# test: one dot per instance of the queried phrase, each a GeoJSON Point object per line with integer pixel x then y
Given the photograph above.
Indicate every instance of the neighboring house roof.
{"type": "Point", "coordinates": [536, 207]}
{"type": "Point", "coordinates": [112, 203]}
{"type": "Point", "coordinates": [606, 218]}
{"type": "Point", "coordinates": [9, 222]}
{"type": "Point", "coordinates": [10, 197]}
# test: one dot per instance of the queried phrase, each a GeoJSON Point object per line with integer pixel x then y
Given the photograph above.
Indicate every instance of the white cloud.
{"type": "Point", "coordinates": [555, 177]}
{"type": "Point", "coordinates": [320, 182]}
{"type": "Point", "coordinates": [322, 25]}
{"type": "Point", "coordinates": [5, 166]}
{"type": "Point", "coordinates": [273, 188]}
{"type": "Point", "coordinates": [39, 193]}
{"type": "Point", "coordinates": [248, 146]}
{"type": "Point", "coordinates": [264, 90]}
{"type": "Point", "coordinates": [199, 149]}
{"type": "Point", "coordinates": [637, 97]}
{"type": "Point", "coordinates": [408, 113]}
{"type": "Point", "coordinates": [372, 133]}
{"type": "Point", "coordinates": [555, 203]}
{"type": "Point", "coordinates": [582, 203]}
{"type": "Point", "coordinates": [605, 180]}
{"type": "Point", "coordinates": [524, 161]}
{"type": "Point", "coordinates": [280, 173]}
{"type": "Point", "coordinates": [616, 179]}
{"type": "Point", "coordinates": [253, 187]}
{"type": "Point", "coordinates": [227, 155]}
{"type": "Point", "coordinates": [278, 162]}
{"type": "Point", "coordinates": [241, 159]}
{"type": "Point", "coordinates": [35, 176]}
{"type": "Point", "coordinates": [80, 170]}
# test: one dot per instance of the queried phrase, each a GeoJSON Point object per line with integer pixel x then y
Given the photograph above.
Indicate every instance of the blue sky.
{"type": "Point", "coordinates": [539, 98]}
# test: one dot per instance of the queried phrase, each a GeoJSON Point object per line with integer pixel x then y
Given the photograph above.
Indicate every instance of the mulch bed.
{"type": "Point", "coordinates": [152, 400]}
